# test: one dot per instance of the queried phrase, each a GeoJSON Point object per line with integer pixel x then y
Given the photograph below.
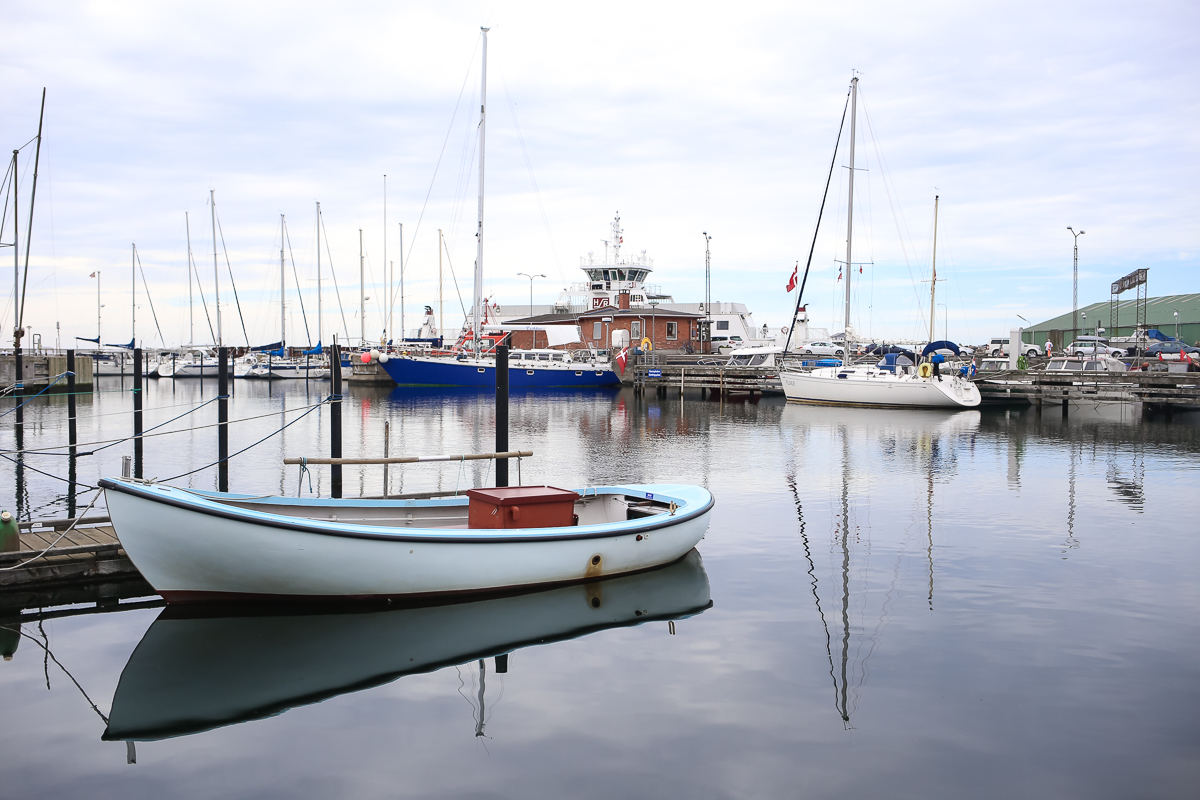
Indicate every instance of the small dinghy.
{"type": "Point", "coordinates": [199, 546]}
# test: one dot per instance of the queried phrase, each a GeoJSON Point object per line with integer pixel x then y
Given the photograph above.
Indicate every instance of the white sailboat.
{"type": "Point", "coordinates": [882, 385]}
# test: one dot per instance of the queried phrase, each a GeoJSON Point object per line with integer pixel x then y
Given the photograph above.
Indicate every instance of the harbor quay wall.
{"type": "Point", "coordinates": [41, 369]}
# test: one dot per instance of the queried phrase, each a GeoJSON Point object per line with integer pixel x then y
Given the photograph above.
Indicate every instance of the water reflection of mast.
{"type": "Point", "coordinates": [812, 573]}
{"type": "Point", "coordinates": [482, 688]}
{"type": "Point", "coordinates": [843, 707]}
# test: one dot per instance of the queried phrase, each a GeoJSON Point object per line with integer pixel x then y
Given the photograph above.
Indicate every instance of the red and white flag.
{"type": "Point", "coordinates": [621, 359]}
{"type": "Point", "coordinates": [792, 282]}
{"type": "Point", "coordinates": [839, 275]}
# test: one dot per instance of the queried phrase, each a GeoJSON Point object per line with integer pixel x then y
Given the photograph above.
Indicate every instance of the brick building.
{"type": "Point", "coordinates": [668, 330]}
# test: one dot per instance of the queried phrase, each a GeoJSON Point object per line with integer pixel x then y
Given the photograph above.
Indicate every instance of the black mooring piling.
{"type": "Point", "coordinates": [502, 414]}
{"type": "Point", "coordinates": [72, 433]}
{"type": "Point", "coordinates": [335, 419]}
{"type": "Point", "coordinates": [137, 412]}
{"type": "Point", "coordinates": [222, 419]}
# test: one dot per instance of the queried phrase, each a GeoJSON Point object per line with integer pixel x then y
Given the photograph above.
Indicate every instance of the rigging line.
{"type": "Point", "coordinates": [57, 378]}
{"type": "Point", "coordinates": [156, 427]}
{"type": "Point", "coordinates": [303, 314]}
{"type": "Point", "coordinates": [60, 666]}
{"type": "Point", "coordinates": [255, 444]}
{"type": "Point", "coordinates": [167, 433]}
{"type": "Point", "coordinates": [32, 198]}
{"type": "Point", "coordinates": [333, 274]}
{"type": "Point", "coordinates": [23, 465]}
{"type": "Point", "coordinates": [149, 299]}
{"type": "Point", "coordinates": [457, 291]}
{"type": "Point", "coordinates": [512, 107]}
{"type": "Point", "coordinates": [816, 230]}
{"type": "Point", "coordinates": [232, 282]}
{"type": "Point", "coordinates": [199, 287]}
{"type": "Point", "coordinates": [883, 172]}
{"type": "Point", "coordinates": [449, 129]}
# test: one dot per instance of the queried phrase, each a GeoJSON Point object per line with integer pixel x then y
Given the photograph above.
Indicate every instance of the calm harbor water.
{"type": "Point", "coordinates": [887, 604]}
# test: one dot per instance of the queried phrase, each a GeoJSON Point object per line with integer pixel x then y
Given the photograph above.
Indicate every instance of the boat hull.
{"type": "Point", "coordinates": [419, 371]}
{"type": "Point", "coordinates": [823, 387]}
{"type": "Point", "coordinates": [197, 547]}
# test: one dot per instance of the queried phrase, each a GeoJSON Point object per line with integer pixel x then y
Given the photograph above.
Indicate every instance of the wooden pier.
{"type": "Point", "coordinates": [1153, 390]}
{"type": "Point", "coordinates": [90, 552]}
{"type": "Point", "coordinates": [665, 379]}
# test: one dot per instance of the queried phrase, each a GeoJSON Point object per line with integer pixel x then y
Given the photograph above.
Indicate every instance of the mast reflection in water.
{"type": "Point", "coordinates": [194, 672]}
{"type": "Point", "coordinates": [910, 441]}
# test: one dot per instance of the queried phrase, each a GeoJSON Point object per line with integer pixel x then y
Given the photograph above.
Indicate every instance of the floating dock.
{"type": "Point", "coordinates": [90, 552]}
{"type": "Point", "coordinates": [1153, 390]}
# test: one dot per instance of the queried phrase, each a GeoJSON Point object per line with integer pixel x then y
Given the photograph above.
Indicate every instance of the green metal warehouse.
{"type": "Point", "coordinates": [1168, 313]}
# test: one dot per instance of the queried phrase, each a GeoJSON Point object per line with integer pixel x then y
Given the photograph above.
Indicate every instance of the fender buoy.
{"type": "Point", "coordinates": [925, 370]}
{"type": "Point", "coordinates": [647, 345]}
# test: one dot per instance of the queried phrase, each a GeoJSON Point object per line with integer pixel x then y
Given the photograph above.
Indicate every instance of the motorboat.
{"type": "Point", "coordinates": [200, 668]}
{"type": "Point", "coordinates": [194, 546]}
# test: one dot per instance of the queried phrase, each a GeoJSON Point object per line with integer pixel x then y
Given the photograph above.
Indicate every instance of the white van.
{"type": "Point", "coordinates": [999, 347]}
{"type": "Point", "coordinates": [1093, 346]}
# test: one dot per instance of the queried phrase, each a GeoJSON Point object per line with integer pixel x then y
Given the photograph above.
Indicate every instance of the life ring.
{"type": "Point", "coordinates": [647, 345]}
{"type": "Point", "coordinates": [784, 329]}
{"type": "Point", "coordinates": [925, 370]}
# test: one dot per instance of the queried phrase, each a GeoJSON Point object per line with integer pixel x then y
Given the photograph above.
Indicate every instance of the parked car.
{"type": "Point", "coordinates": [1093, 346]}
{"type": "Point", "coordinates": [1170, 350]}
{"type": "Point", "coordinates": [999, 347]}
{"type": "Point", "coordinates": [823, 348]}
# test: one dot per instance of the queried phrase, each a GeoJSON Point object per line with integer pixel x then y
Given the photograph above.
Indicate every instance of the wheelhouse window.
{"type": "Point", "coordinates": [635, 329]}
{"type": "Point", "coordinates": [672, 330]}
{"type": "Point", "coordinates": [722, 324]}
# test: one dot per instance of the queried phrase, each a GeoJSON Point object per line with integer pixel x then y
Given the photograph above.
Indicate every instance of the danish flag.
{"type": "Point", "coordinates": [792, 282]}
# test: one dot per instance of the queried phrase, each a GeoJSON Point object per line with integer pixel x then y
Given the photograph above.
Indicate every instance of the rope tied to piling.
{"type": "Point", "coordinates": [59, 539]}
{"type": "Point", "coordinates": [21, 385]}
{"type": "Point", "coordinates": [304, 471]}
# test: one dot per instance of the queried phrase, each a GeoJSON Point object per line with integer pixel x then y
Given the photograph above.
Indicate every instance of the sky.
{"type": "Point", "coordinates": [1023, 118]}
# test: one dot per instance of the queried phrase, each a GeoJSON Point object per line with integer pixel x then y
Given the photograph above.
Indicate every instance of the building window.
{"type": "Point", "coordinates": [672, 330]}
{"type": "Point", "coordinates": [635, 330]}
{"type": "Point", "coordinates": [722, 324]}
{"type": "Point", "coordinates": [596, 330]}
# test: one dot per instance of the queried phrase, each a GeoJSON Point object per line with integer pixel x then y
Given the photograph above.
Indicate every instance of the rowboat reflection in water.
{"type": "Point", "coordinates": [197, 669]}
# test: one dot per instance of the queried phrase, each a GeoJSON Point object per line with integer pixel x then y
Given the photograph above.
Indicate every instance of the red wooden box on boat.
{"type": "Point", "coordinates": [521, 507]}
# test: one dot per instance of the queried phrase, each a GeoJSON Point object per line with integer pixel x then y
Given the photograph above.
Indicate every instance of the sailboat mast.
{"type": "Point", "coordinates": [441, 297]}
{"type": "Point", "coordinates": [850, 207]}
{"type": "Point", "coordinates": [362, 293]}
{"type": "Point", "coordinates": [479, 231]}
{"type": "Point", "coordinates": [389, 272]}
{"type": "Point", "coordinates": [212, 202]}
{"type": "Point", "coordinates": [187, 223]}
{"type": "Point", "coordinates": [133, 294]}
{"type": "Point", "coordinates": [282, 288]}
{"type": "Point", "coordinates": [319, 333]}
{"type": "Point", "coordinates": [402, 282]}
{"type": "Point", "coordinates": [933, 282]}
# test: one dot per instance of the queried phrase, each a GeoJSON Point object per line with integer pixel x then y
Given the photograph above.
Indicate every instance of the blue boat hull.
{"type": "Point", "coordinates": [410, 372]}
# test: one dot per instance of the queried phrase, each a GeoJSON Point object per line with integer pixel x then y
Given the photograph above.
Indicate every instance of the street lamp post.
{"type": "Point", "coordinates": [531, 277]}
{"type": "Point", "coordinates": [946, 318]}
{"type": "Point", "coordinates": [1176, 322]}
{"type": "Point", "coordinates": [1084, 315]}
{"type": "Point", "coordinates": [1075, 283]}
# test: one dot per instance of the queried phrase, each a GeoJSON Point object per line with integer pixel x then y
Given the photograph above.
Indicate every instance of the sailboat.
{"type": "Point", "coordinates": [275, 363]}
{"type": "Point", "coordinates": [477, 367]}
{"type": "Point", "coordinates": [882, 385]}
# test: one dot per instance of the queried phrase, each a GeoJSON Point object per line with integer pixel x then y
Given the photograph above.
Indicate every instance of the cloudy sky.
{"type": "Point", "coordinates": [684, 117]}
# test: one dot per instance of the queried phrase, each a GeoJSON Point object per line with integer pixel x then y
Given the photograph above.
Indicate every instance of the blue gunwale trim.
{"type": "Point", "coordinates": [205, 504]}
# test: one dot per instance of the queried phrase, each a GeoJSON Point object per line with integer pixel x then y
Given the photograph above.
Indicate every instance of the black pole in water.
{"type": "Point", "coordinates": [502, 414]}
{"type": "Point", "coordinates": [19, 393]}
{"type": "Point", "coordinates": [137, 412]}
{"type": "Point", "coordinates": [223, 419]}
{"type": "Point", "coordinates": [72, 436]}
{"type": "Point", "coordinates": [335, 420]}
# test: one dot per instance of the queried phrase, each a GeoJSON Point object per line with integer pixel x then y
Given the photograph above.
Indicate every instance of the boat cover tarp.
{"type": "Point", "coordinates": [122, 346]}
{"type": "Point", "coordinates": [267, 348]}
{"type": "Point", "coordinates": [85, 339]}
{"type": "Point", "coordinates": [942, 345]}
{"type": "Point", "coordinates": [1155, 333]}
{"type": "Point", "coordinates": [316, 351]}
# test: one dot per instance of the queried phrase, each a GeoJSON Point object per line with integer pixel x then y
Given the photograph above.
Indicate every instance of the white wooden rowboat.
{"type": "Point", "coordinates": [195, 546]}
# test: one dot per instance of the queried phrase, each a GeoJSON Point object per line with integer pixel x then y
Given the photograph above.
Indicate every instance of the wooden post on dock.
{"type": "Point", "coordinates": [502, 413]}
{"type": "Point", "coordinates": [19, 392]}
{"type": "Point", "coordinates": [137, 412]}
{"type": "Point", "coordinates": [335, 418]}
{"type": "Point", "coordinates": [72, 434]}
{"type": "Point", "coordinates": [387, 434]}
{"type": "Point", "coordinates": [222, 419]}
{"type": "Point", "coordinates": [1066, 397]}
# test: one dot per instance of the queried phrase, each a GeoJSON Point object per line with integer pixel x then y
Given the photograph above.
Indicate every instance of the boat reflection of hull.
{"type": "Point", "coordinates": [194, 673]}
